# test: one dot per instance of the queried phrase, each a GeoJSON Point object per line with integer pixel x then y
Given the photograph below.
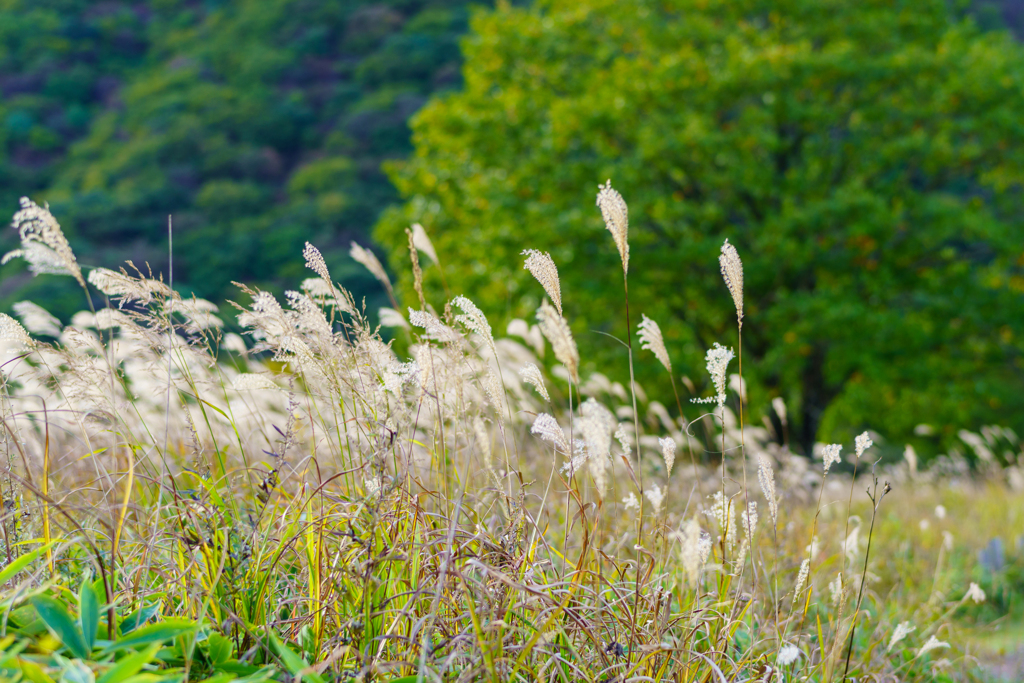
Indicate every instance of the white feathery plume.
{"type": "Point", "coordinates": [623, 439]}
{"type": "Point", "coordinates": [690, 551]}
{"type": "Point", "coordinates": [932, 644]}
{"type": "Point", "coordinates": [557, 331]}
{"type": "Point", "coordinates": [616, 219]}
{"type": "Point", "coordinates": [37, 319]}
{"type": "Point", "coordinates": [126, 288]}
{"type": "Point", "coordinates": [315, 262]}
{"type": "Point", "coordinates": [548, 429]}
{"type": "Point", "coordinates": [651, 339]}
{"type": "Point", "coordinates": [975, 593]}
{"type": "Point", "coordinates": [542, 267]}
{"type": "Point", "coordinates": [422, 242]}
{"type": "Point", "coordinates": [801, 578]}
{"type": "Point", "coordinates": [531, 375]}
{"type": "Point", "coordinates": [788, 654]}
{"type": "Point", "coordinates": [370, 262]}
{"type": "Point", "coordinates": [717, 360]}
{"type": "Point", "coordinates": [656, 495]}
{"type": "Point", "coordinates": [836, 588]}
{"type": "Point", "coordinates": [732, 273]}
{"type": "Point", "coordinates": [495, 393]}
{"type": "Point", "coordinates": [13, 335]}
{"type": "Point", "coordinates": [630, 502]}
{"type": "Point", "coordinates": [668, 452]}
{"type": "Point", "coordinates": [483, 440]}
{"type": "Point", "coordinates": [435, 329]}
{"type": "Point", "coordinates": [389, 317]}
{"type": "Point", "coordinates": [862, 443]}
{"type": "Point", "coordinates": [766, 477]}
{"type": "Point", "coordinates": [903, 630]}
{"type": "Point", "coordinates": [43, 243]}
{"type": "Point", "coordinates": [830, 455]}
{"type": "Point", "coordinates": [475, 320]}
{"type": "Point", "coordinates": [780, 408]}
{"type": "Point", "coordinates": [248, 381]}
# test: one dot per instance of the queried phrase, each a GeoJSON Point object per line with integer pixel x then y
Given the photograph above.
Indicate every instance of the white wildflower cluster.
{"type": "Point", "coordinates": [717, 360]}
{"type": "Point", "coordinates": [630, 502]}
{"type": "Point", "coordinates": [975, 593]}
{"type": "Point", "coordinates": [656, 495]}
{"type": "Point", "coordinates": [862, 443]}
{"type": "Point", "coordinates": [830, 455]}
{"type": "Point", "coordinates": [788, 654]}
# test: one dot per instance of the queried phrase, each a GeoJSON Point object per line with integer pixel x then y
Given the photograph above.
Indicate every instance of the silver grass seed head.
{"type": "Point", "coordinates": [474, 320]}
{"type": "Point", "coordinates": [315, 262]}
{"type": "Point", "coordinates": [732, 273]}
{"type": "Point", "coordinates": [43, 243]}
{"type": "Point", "coordinates": [542, 267]}
{"type": "Point", "coordinates": [766, 477]}
{"type": "Point", "coordinates": [801, 577]}
{"type": "Point", "coordinates": [717, 360]}
{"type": "Point", "coordinates": [652, 340]}
{"type": "Point", "coordinates": [932, 644]}
{"type": "Point", "coordinates": [435, 329]}
{"type": "Point", "coordinates": [369, 261]}
{"type": "Point", "coordinates": [557, 331]}
{"type": "Point", "coordinates": [668, 452]}
{"type": "Point", "coordinates": [13, 335]}
{"type": "Point", "coordinates": [656, 495]}
{"type": "Point", "coordinates": [531, 375]}
{"type": "Point", "coordinates": [548, 429]}
{"type": "Point", "coordinates": [422, 242]}
{"type": "Point", "coordinates": [616, 218]}
{"type": "Point", "coordinates": [903, 629]}
{"type": "Point", "coordinates": [37, 319]}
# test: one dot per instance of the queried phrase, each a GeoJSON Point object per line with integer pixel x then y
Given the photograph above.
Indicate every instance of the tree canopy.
{"type": "Point", "coordinates": [865, 158]}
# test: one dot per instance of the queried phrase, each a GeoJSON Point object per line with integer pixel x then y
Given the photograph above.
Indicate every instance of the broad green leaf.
{"type": "Point", "coordinates": [57, 619]}
{"type": "Point", "coordinates": [139, 617]}
{"type": "Point", "coordinates": [33, 672]}
{"type": "Point", "coordinates": [292, 662]}
{"type": "Point", "coordinates": [129, 666]}
{"type": "Point", "coordinates": [23, 561]}
{"type": "Point", "coordinates": [219, 648]}
{"type": "Point", "coordinates": [88, 612]}
{"type": "Point", "coordinates": [154, 633]}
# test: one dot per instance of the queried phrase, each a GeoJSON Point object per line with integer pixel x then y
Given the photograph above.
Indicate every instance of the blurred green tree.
{"type": "Point", "coordinates": [865, 158]}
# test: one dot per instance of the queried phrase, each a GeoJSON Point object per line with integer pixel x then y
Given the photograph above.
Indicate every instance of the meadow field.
{"type": "Point", "coordinates": [325, 499]}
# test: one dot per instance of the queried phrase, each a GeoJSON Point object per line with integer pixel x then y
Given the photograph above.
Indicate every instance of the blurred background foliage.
{"type": "Point", "coordinates": [864, 157]}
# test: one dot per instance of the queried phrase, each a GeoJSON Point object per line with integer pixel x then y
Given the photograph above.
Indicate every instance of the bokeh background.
{"type": "Point", "coordinates": [866, 158]}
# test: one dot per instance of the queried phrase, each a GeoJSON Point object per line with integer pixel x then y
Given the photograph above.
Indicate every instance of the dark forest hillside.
{"type": "Point", "coordinates": [258, 124]}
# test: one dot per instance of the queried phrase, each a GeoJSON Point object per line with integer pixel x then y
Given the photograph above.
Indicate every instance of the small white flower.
{"type": "Point", "coordinates": [975, 593]}
{"type": "Point", "coordinates": [630, 502]}
{"type": "Point", "coordinates": [656, 495]}
{"type": "Point", "coordinates": [788, 654]}
{"type": "Point", "coordinates": [940, 511]}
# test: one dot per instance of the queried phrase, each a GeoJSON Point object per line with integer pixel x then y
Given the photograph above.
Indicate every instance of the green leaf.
{"type": "Point", "coordinates": [293, 662]}
{"type": "Point", "coordinates": [139, 617]}
{"type": "Point", "coordinates": [20, 563]}
{"type": "Point", "coordinates": [61, 624]}
{"type": "Point", "coordinates": [88, 612]}
{"type": "Point", "coordinates": [154, 633]}
{"type": "Point", "coordinates": [130, 665]}
{"type": "Point", "coordinates": [219, 648]}
{"type": "Point", "coordinates": [33, 672]}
